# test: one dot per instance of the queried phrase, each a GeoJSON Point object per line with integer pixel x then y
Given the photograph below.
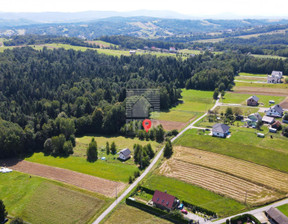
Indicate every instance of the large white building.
{"type": "Point", "coordinates": [275, 77]}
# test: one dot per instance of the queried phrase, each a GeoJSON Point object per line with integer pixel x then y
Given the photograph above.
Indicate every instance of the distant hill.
{"type": "Point", "coordinates": [140, 26]}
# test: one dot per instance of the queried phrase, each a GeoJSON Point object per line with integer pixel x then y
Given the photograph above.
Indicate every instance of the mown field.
{"type": "Point", "coordinates": [283, 209]}
{"type": "Point", "coordinates": [194, 103]}
{"type": "Point", "coordinates": [125, 214]}
{"type": "Point", "coordinates": [243, 144]}
{"type": "Point", "coordinates": [238, 179]}
{"type": "Point", "coordinates": [38, 200]}
{"type": "Point", "coordinates": [111, 168]}
{"type": "Point", "coordinates": [239, 98]}
{"type": "Point", "coordinates": [223, 206]}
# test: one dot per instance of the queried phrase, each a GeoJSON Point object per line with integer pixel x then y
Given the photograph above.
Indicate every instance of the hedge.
{"type": "Point", "coordinates": [244, 218]}
{"type": "Point", "coordinates": [195, 208]}
{"type": "Point", "coordinates": [158, 212]}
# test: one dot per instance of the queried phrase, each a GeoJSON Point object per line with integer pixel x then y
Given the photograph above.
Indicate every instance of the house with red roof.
{"type": "Point", "coordinates": [164, 201]}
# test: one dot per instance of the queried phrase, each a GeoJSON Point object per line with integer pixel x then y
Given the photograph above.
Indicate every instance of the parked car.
{"type": "Point", "coordinates": [181, 206]}
{"type": "Point", "coordinates": [184, 211]}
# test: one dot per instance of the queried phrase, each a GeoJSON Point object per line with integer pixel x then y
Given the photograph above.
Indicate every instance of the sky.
{"type": "Point", "coordinates": [265, 8]}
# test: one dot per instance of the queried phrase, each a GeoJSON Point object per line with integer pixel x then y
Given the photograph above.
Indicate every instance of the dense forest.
{"type": "Point", "coordinates": [48, 96]}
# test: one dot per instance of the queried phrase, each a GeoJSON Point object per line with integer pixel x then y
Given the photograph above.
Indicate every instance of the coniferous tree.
{"type": "Point", "coordinates": [107, 148]}
{"type": "Point", "coordinates": [3, 212]}
{"type": "Point", "coordinates": [113, 148]}
{"type": "Point", "coordinates": [92, 154]}
{"type": "Point", "coordinates": [168, 150]}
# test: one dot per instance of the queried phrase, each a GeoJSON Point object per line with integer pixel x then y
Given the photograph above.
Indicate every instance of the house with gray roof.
{"type": "Point", "coordinates": [252, 101]}
{"type": "Point", "coordinates": [124, 154]}
{"type": "Point", "coordinates": [275, 111]}
{"type": "Point", "coordinates": [275, 216]}
{"type": "Point", "coordinates": [220, 130]}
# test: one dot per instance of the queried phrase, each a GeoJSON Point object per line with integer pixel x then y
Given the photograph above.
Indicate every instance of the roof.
{"type": "Point", "coordinates": [163, 199]}
{"type": "Point", "coordinates": [125, 152]}
{"type": "Point", "coordinates": [220, 128]}
{"type": "Point", "coordinates": [268, 119]}
{"type": "Point", "coordinates": [277, 73]}
{"type": "Point", "coordinates": [276, 124]}
{"type": "Point", "coordinates": [257, 115]}
{"type": "Point", "coordinates": [278, 108]}
{"type": "Point", "coordinates": [278, 216]}
{"type": "Point", "coordinates": [254, 98]}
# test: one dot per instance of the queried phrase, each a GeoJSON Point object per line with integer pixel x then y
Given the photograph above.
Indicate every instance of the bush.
{"type": "Point", "coordinates": [244, 218]}
{"type": "Point", "coordinates": [17, 220]}
{"type": "Point", "coordinates": [3, 212]}
{"type": "Point", "coordinates": [130, 180]}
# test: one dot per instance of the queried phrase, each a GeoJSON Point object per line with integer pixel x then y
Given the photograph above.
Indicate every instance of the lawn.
{"type": "Point", "coordinates": [251, 74]}
{"type": "Point", "coordinates": [268, 56]}
{"type": "Point", "coordinates": [195, 195]}
{"type": "Point", "coordinates": [283, 209]}
{"type": "Point", "coordinates": [239, 98]}
{"type": "Point", "coordinates": [111, 168]}
{"type": "Point", "coordinates": [262, 85]}
{"type": "Point", "coordinates": [243, 144]}
{"type": "Point", "coordinates": [194, 103]}
{"type": "Point", "coordinates": [125, 214]}
{"type": "Point", "coordinates": [245, 110]}
{"type": "Point", "coordinates": [38, 200]}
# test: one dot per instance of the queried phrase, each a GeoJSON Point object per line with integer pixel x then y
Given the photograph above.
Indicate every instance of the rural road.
{"type": "Point", "coordinates": [137, 181]}
{"type": "Point", "coordinates": [255, 211]}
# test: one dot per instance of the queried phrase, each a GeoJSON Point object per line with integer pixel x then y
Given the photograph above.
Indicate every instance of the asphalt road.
{"type": "Point", "coordinates": [156, 158]}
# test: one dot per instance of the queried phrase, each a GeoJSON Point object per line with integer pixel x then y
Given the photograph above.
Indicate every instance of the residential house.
{"type": "Point", "coordinates": [255, 117]}
{"type": "Point", "coordinates": [275, 77]}
{"type": "Point", "coordinates": [268, 120]}
{"type": "Point", "coordinates": [220, 130]}
{"type": "Point", "coordinates": [275, 111]}
{"type": "Point", "coordinates": [275, 216]}
{"type": "Point", "coordinates": [164, 201]}
{"type": "Point", "coordinates": [276, 125]}
{"type": "Point", "coordinates": [252, 101]}
{"type": "Point", "coordinates": [124, 154]}
{"type": "Point", "coordinates": [132, 52]}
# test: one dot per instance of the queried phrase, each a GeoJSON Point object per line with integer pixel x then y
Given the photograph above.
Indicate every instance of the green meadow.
{"type": "Point", "coordinates": [243, 144]}
{"type": "Point", "coordinates": [283, 209]}
{"type": "Point", "coordinates": [38, 200]}
{"type": "Point", "coordinates": [195, 195]}
{"type": "Point", "coordinates": [194, 103]}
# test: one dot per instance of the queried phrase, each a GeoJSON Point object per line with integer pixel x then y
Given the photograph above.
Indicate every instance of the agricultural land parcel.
{"type": "Point", "coordinates": [241, 180]}
{"type": "Point", "coordinates": [111, 168]}
{"type": "Point", "coordinates": [284, 209]}
{"type": "Point", "coordinates": [38, 200]}
{"type": "Point", "coordinates": [194, 104]}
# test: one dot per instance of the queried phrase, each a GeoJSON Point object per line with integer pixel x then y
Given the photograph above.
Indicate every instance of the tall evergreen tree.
{"type": "Point", "coordinates": [3, 212]}
{"type": "Point", "coordinates": [168, 150]}
{"type": "Point", "coordinates": [92, 154]}
{"type": "Point", "coordinates": [113, 148]}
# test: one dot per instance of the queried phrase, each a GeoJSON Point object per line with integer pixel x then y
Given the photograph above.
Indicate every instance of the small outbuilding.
{"type": "Point", "coordinates": [272, 130]}
{"type": "Point", "coordinates": [124, 154]}
{"type": "Point", "coordinates": [252, 101]}
{"type": "Point", "coordinates": [260, 135]}
{"type": "Point", "coordinates": [220, 130]}
{"type": "Point", "coordinates": [268, 120]}
{"type": "Point", "coordinates": [275, 216]}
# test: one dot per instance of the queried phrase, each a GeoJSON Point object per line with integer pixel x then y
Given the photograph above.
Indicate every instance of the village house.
{"type": "Point", "coordinates": [220, 130]}
{"type": "Point", "coordinates": [252, 101]}
{"type": "Point", "coordinates": [164, 201]}
{"type": "Point", "coordinates": [275, 77]}
{"type": "Point", "coordinates": [275, 111]}
{"type": "Point", "coordinates": [124, 154]}
{"type": "Point", "coordinates": [255, 117]}
{"type": "Point", "coordinates": [132, 52]}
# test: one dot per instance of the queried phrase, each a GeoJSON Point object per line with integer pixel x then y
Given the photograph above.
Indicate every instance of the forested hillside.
{"type": "Point", "coordinates": [59, 93]}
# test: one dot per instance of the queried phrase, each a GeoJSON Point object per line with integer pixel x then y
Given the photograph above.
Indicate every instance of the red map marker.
{"type": "Point", "coordinates": [147, 124]}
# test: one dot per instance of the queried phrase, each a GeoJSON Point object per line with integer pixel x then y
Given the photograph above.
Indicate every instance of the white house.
{"type": "Point", "coordinates": [275, 77]}
{"type": "Point", "coordinates": [124, 154]}
{"type": "Point", "coordinates": [220, 130]}
{"type": "Point", "coordinates": [275, 111]}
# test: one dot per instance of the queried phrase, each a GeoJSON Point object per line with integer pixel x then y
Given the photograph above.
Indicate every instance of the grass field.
{"type": "Point", "coordinates": [125, 214]}
{"type": "Point", "coordinates": [221, 205]}
{"type": "Point", "coordinates": [268, 56]}
{"type": "Point", "coordinates": [195, 102]}
{"type": "Point", "coordinates": [116, 171]}
{"type": "Point", "coordinates": [252, 74]}
{"type": "Point", "coordinates": [239, 98]}
{"type": "Point", "coordinates": [263, 85]}
{"type": "Point", "coordinates": [283, 209]}
{"type": "Point", "coordinates": [243, 144]}
{"type": "Point", "coordinates": [111, 168]}
{"type": "Point", "coordinates": [245, 110]}
{"type": "Point", "coordinates": [37, 200]}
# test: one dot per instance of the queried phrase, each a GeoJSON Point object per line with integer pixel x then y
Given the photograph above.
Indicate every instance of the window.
{"type": "Point", "coordinates": [167, 203]}
{"type": "Point", "coordinates": [163, 201]}
{"type": "Point", "coordinates": [157, 199]}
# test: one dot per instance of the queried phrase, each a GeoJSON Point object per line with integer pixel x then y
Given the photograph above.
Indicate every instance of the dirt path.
{"type": "Point", "coordinates": [91, 183]}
